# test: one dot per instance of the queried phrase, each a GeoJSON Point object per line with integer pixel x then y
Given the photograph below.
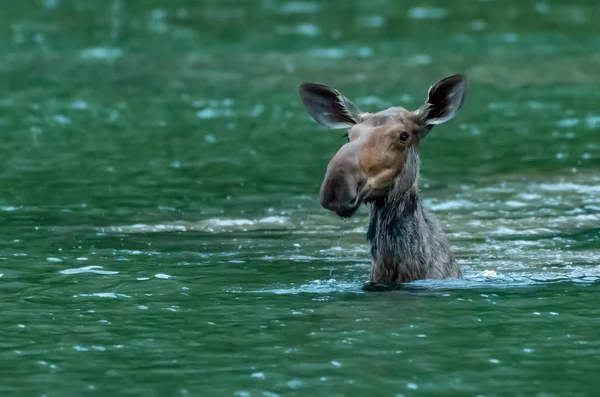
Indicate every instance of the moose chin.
{"type": "Point", "coordinates": [380, 165]}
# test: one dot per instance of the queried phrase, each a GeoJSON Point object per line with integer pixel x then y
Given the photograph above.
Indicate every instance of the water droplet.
{"type": "Point", "coordinates": [81, 348]}
{"type": "Point", "coordinates": [478, 25]}
{"type": "Point", "coordinates": [79, 104]}
{"type": "Point", "coordinates": [258, 110]}
{"type": "Point", "coordinates": [294, 383]}
{"type": "Point", "coordinates": [307, 29]}
{"type": "Point", "coordinates": [101, 53]}
{"type": "Point", "coordinates": [60, 119]}
{"type": "Point", "coordinates": [365, 52]}
{"type": "Point", "coordinates": [427, 13]}
{"type": "Point", "coordinates": [571, 122]}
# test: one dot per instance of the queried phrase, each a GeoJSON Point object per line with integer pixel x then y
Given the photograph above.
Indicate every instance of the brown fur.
{"type": "Point", "coordinates": [380, 166]}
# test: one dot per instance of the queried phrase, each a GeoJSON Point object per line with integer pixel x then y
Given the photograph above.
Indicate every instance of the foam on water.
{"type": "Point", "coordinates": [505, 234]}
{"type": "Point", "coordinates": [211, 113]}
{"type": "Point", "coordinates": [88, 269]}
{"type": "Point", "coordinates": [102, 53]}
{"type": "Point", "coordinates": [488, 279]}
{"type": "Point", "coordinates": [450, 205]}
{"type": "Point", "coordinates": [110, 295]}
{"type": "Point", "coordinates": [304, 29]}
{"type": "Point", "coordinates": [314, 287]}
{"type": "Point", "coordinates": [569, 187]}
{"type": "Point", "coordinates": [208, 225]}
{"type": "Point", "coordinates": [330, 53]}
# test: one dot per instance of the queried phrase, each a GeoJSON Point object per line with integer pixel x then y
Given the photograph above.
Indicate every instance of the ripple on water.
{"type": "Point", "coordinates": [505, 235]}
{"type": "Point", "coordinates": [373, 21]}
{"type": "Point", "coordinates": [303, 29]}
{"type": "Point", "coordinates": [211, 113]}
{"type": "Point", "coordinates": [101, 53]}
{"type": "Point", "coordinates": [329, 53]}
{"type": "Point", "coordinates": [449, 205]}
{"type": "Point", "coordinates": [299, 7]}
{"type": "Point", "coordinates": [488, 279]}
{"type": "Point", "coordinates": [569, 187]}
{"type": "Point", "coordinates": [88, 269]}
{"type": "Point", "coordinates": [110, 295]}
{"type": "Point", "coordinates": [313, 287]}
{"type": "Point", "coordinates": [427, 13]}
{"type": "Point", "coordinates": [208, 225]}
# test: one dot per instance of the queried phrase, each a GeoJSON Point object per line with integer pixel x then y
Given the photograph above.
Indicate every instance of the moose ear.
{"type": "Point", "coordinates": [328, 106]}
{"type": "Point", "coordinates": [443, 100]}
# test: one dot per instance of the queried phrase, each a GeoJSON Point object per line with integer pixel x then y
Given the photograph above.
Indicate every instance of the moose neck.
{"type": "Point", "coordinates": [398, 227]}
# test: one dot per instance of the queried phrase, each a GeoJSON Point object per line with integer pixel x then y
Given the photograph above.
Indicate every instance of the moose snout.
{"type": "Point", "coordinates": [341, 186]}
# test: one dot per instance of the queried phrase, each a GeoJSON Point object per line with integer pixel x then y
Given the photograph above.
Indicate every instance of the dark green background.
{"type": "Point", "coordinates": [161, 233]}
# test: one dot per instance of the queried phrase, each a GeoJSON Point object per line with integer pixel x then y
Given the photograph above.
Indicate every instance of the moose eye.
{"type": "Point", "coordinates": [404, 136]}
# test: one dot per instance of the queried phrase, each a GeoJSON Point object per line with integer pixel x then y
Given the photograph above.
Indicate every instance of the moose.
{"type": "Point", "coordinates": [379, 166]}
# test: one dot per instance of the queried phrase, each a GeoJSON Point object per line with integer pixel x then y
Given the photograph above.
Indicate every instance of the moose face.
{"type": "Point", "coordinates": [379, 144]}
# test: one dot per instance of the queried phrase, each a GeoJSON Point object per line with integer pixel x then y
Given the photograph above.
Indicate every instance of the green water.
{"type": "Point", "coordinates": [161, 233]}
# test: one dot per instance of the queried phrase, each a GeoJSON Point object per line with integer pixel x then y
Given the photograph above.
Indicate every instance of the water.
{"type": "Point", "coordinates": [161, 229]}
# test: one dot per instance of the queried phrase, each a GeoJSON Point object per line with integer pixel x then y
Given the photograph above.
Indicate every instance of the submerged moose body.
{"type": "Point", "coordinates": [380, 166]}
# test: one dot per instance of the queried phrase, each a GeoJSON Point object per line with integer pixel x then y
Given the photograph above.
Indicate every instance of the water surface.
{"type": "Point", "coordinates": [158, 195]}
